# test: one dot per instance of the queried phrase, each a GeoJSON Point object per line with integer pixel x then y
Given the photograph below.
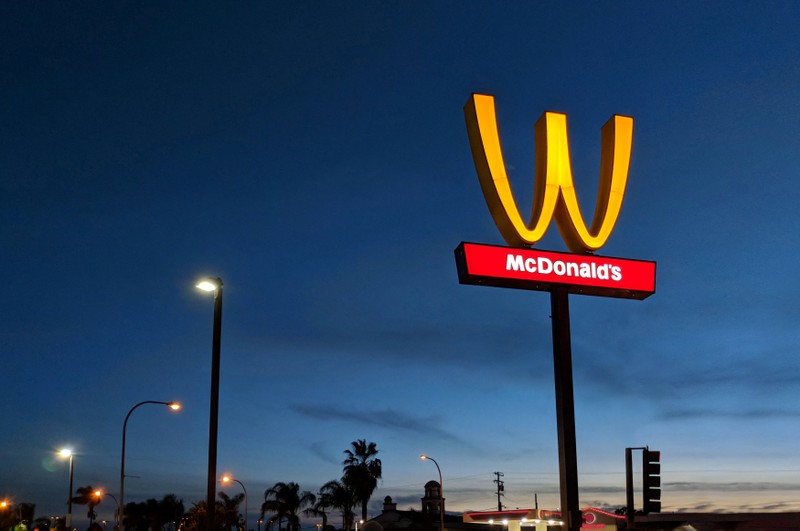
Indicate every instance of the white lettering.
{"type": "Point", "coordinates": [546, 266]}
{"type": "Point", "coordinates": [572, 269]}
{"type": "Point", "coordinates": [514, 263]}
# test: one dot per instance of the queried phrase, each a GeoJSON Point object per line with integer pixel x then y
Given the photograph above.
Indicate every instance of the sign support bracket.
{"type": "Point", "coordinates": [565, 409]}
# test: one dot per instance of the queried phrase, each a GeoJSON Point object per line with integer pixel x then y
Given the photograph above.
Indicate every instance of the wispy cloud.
{"type": "Point", "coordinates": [391, 419]}
{"type": "Point", "coordinates": [740, 486]}
{"type": "Point", "coordinates": [744, 414]}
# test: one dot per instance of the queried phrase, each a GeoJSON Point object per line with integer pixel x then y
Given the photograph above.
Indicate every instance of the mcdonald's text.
{"type": "Point", "coordinates": [524, 268]}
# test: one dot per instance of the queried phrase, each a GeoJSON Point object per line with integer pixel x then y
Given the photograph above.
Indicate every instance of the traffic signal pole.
{"type": "Point", "coordinates": [651, 483]}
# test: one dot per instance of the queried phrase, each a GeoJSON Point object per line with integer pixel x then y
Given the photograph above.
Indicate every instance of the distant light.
{"type": "Point", "coordinates": [491, 520]}
{"type": "Point", "coordinates": [505, 521]}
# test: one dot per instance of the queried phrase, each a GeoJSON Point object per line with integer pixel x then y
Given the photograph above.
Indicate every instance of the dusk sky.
{"type": "Point", "coordinates": [314, 155]}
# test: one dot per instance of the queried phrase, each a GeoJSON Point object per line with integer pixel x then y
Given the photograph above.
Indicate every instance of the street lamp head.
{"type": "Point", "coordinates": [226, 479]}
{"type": "Point", "coordinates": [209, 284]}
{"type": "Point", "coordinates": [175, 406]}
{"type": "Point", "coordinates": [423, 457]}
{"type": "Point", "coordinates": [65, 452]}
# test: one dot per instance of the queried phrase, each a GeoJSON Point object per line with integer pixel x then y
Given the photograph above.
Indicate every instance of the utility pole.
{"type": "Point", "coordinates": [500, 489]}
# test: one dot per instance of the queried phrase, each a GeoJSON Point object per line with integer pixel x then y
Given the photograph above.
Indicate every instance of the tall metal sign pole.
{"type": "Point", "coordinates": [565, 408]}
{"type": "Point", "coordinates": [579, 272]}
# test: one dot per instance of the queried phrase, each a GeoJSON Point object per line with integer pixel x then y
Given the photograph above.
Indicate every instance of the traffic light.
{"type": "Point", "coordinates": [651, 473]}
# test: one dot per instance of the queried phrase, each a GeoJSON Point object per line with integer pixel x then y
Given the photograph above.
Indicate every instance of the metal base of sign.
{"type": "Point", "coordinates": [565, 409]}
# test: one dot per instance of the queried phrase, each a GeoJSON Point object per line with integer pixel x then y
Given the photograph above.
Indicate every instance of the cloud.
{"type": "Point", "coordinates": [740, 486]}
{"type": "Point", "coordinates": [391, 419]}
{"type": "Point", "coordinates": [743, 414]}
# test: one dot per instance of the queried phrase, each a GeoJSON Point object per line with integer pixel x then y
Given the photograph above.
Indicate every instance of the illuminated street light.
{"type": "Point", "coordinates": [5, 504]}
{"type": "Point", "coordinates": [441, 490]}
{"type": "Point", "coordinates": [175, 406]}
{"type": "Point", "coordinates": [99, 494]}
{"type": "Point", "coordinates": [227, 479]}
{"type": "Point", "coordinates": [215, 285]}
{"type": "Point", "coordinates": [67, 452]}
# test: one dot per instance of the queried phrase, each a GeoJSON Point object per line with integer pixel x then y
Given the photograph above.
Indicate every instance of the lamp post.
{"type": "Point", "coordinates": [215, 285]}
{"type": "Point", "coordinates": [175, 406]}
{"type": "Point", "coordinates": [227, 479]}
{"type": "Point", "coordinates": [441, 490]}
{"type": "Point", "coordinates": [5, 504]}
{"type": "Point", "coordinates": [66, 452]}
{"type": "Point", "coordinates": [99, 494]}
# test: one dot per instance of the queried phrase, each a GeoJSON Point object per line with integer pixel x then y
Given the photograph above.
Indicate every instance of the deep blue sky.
{"type": "Point", "coordinates": [314, 156]}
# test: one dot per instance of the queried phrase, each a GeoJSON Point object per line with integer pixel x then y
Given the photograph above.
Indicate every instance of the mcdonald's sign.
{"type": "Point", "coordinates": [554, 198]}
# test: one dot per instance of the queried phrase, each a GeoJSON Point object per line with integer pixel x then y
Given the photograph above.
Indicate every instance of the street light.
{"type": "Point", "coordinates": [175, 406]}
{"type": "Point", "coordinates": [99, 493]}
{"type": "Point", "coordinates": [215, 285]}
{"type": "Point", "coordinates": [227, 479]}
{"type": "Point", "coordinates": [441, 490]}
{"type": "Point", "coordinates": [67, 452]}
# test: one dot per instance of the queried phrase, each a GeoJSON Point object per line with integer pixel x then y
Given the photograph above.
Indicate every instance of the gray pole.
{"type": "Point", "coordinates": [68, 523]}
{"type": "Point", "coordinates": [211, 495]}
{"type": "Point", "coordinates": [565, 409]}
{"type": "Point", "coordinates": [121, 504]}
{"type": "Point", "coordinates": [629, 487]}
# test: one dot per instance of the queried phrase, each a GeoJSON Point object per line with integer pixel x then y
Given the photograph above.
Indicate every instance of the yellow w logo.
{"type": "Point", "coordinates": [554, 191]}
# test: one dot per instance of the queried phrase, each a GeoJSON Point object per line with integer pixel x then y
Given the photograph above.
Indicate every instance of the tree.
{"type": "Point", "coordinates": [319, 509]}
{"type": "Point", "coordinates": [339, 494]}
{"type": "Point", "coordinates": [86, 496]}
{"type": "Point", "coordinates": [362, 470]}
{"type": "Point", "coordinates": [285, 500]}
{"type": "Point", "coordinates": [228, 510]}
{"type": "Point", "coordinates": [153, 514]}
{"type": "Point", "coordinates": [196, 517]}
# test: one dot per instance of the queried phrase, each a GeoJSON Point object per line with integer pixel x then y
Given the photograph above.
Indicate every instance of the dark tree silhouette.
{"type": "Point", "coordinates": [228, 511]}
{"type": "Point", "coordinates": [86, 496]}
{"type": "Point", "coordinates": [362, 470]}
{"type": "Point", "coordinates": [152, 513]}
{"type": "Point", "coordinates": [285, 500]}
{"type": "Point", "coordinates": [340, 494]}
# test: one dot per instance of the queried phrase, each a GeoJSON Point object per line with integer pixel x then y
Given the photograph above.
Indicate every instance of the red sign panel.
{"type": "Point", "coordinates": [523, 268]}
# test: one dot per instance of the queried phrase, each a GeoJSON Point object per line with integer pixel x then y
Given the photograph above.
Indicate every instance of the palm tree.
{"type": "Point", "coordinates": [286, 500]}
{"type": "Point", "coordinates": [86, 496]}
{"type": "Point", "coordinates": [228, 510]}
{"type": "Point", "coordinates": [362, 470]}
{"type": "Point", "coordinates": [196, 516]}
{"type": "Point", "coordinates": [319, 509]}
{"type": "Point", "coordinates": [339, 494]}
